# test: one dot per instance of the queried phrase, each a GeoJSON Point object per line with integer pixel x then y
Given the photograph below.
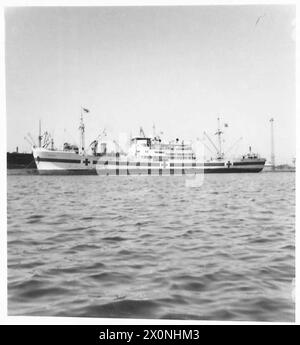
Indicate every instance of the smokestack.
{"type": "Point", "coordinates": [272, 145]}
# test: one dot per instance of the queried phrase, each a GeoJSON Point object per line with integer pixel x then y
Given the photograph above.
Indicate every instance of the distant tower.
{"type": "Point", "coordinates": [272, 145]}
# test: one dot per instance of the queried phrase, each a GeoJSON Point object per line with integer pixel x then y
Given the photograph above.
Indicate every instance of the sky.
{"type": "Point", "coordinates": [179, 68]}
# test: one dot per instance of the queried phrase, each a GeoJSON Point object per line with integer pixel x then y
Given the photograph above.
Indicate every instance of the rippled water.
{"type": "Point", "coordinates": [149, 247]}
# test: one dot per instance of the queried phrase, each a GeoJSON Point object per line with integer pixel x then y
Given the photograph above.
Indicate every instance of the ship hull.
{"type": "Point", "coordinates": [233, 170]}
{"type": "Point", "coordinates": [63, 163]}
{"type": "Point", "coordinates": [16, 160]}
{"type": "Point", "coordinates": [62, 172]}
{"type": "Point", "coordinates": [70, 163]}
{"type": "Point", "coordinates": [135, 172]}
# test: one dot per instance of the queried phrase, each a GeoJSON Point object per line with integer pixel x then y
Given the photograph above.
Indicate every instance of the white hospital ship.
{"type": "Point", "coordinates": [145, 156]}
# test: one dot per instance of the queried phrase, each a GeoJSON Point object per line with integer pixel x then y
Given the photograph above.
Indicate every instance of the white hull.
{"type": "Point", "coordinates": [65, 162]}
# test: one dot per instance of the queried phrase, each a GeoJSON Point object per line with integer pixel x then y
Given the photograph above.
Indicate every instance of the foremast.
{"type": "Point", "coordinates": [82, 131]}
{"type": "Point", "coordinates": [220, 154]}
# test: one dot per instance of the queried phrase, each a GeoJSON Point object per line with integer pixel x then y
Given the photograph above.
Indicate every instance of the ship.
{"type": "Point", "coordinates": [20, 163]}
{"type": "Point", "coordinates": [19, 160]}
{"type": "Point", "coordinates": [146, 155]}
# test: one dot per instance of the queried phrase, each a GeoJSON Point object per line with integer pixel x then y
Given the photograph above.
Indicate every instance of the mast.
{"type": "Point", "coordinates": [40, 134]}
{"type": "Point", "coordinates": [154, 131]}
{"type": "Point", "coordinates": [272, 145]}
{"type": "Point", "coordinates": [219, 133]}
{"type": "Point", "coordinates": [82, 136]}
{"type": "Point", "coordinates": [142, 133]}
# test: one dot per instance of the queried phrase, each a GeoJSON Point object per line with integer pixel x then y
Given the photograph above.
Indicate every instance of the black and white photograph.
{"type": "Point", "coordinates": [151, 161]}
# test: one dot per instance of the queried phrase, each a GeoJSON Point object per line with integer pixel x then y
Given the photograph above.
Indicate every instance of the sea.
{"type": "Point", "coordinates": [152, 247]}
